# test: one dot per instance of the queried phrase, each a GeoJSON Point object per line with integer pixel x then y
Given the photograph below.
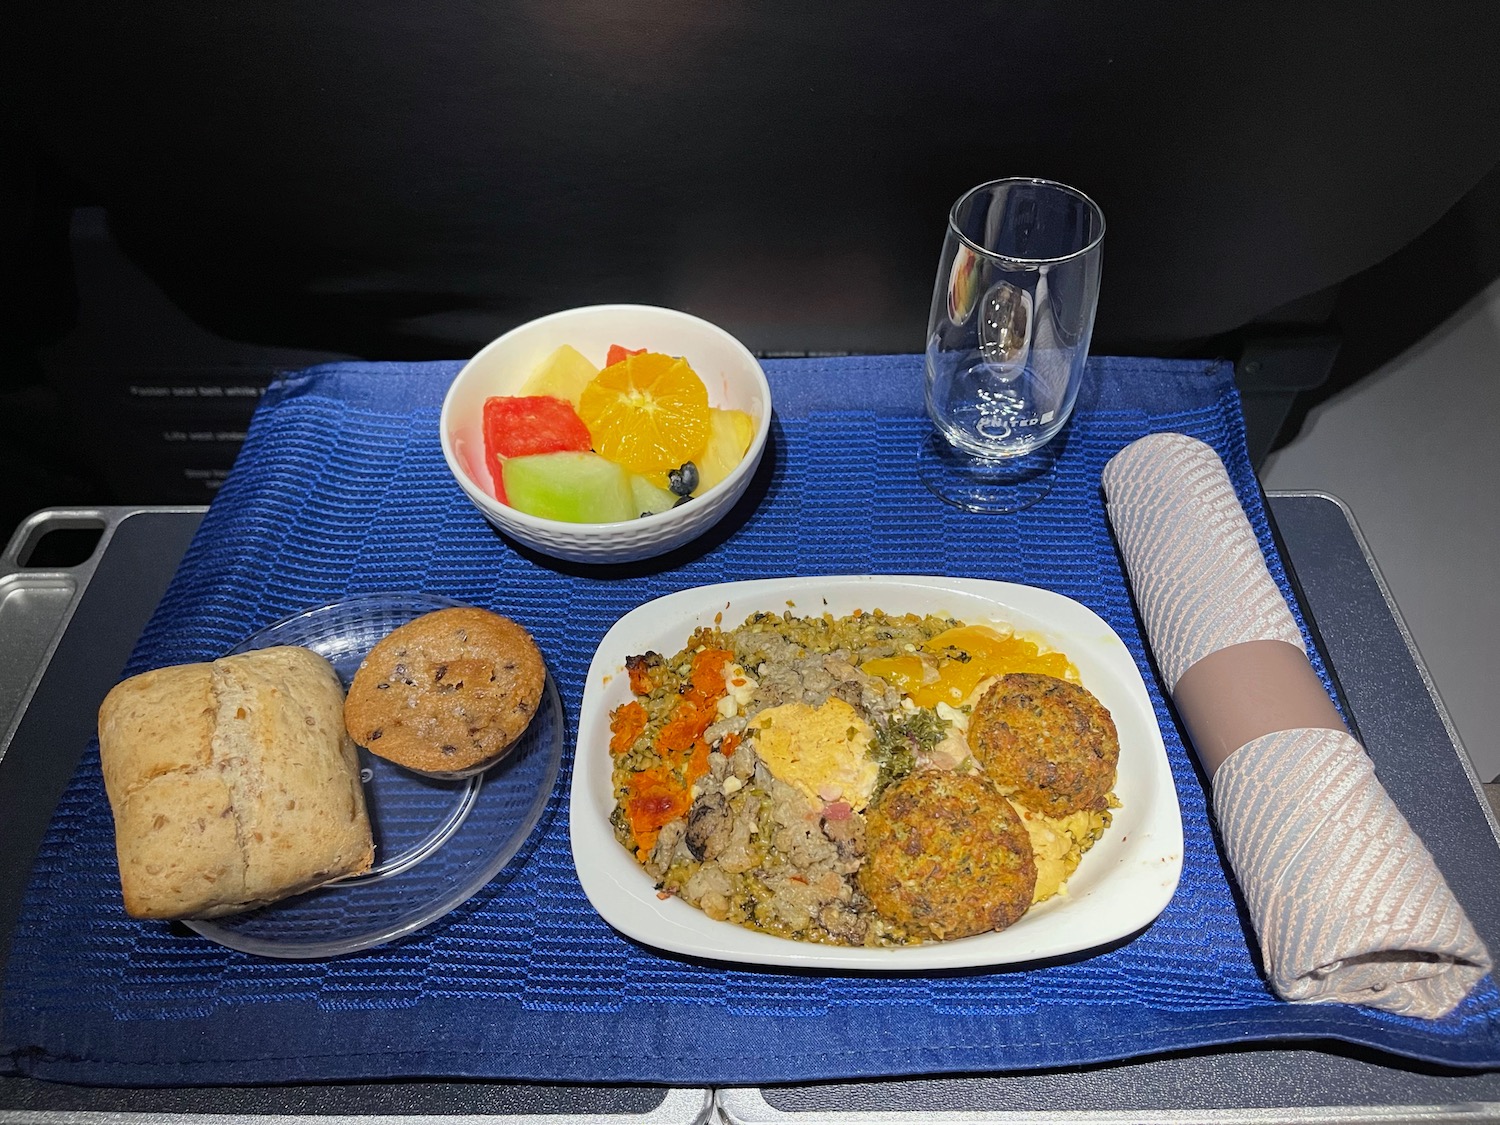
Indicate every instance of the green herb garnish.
{"type": "Point", "coordinates": [898, 741]}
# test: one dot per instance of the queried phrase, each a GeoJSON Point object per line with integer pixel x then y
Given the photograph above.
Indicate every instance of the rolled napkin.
{"type": "Point", "coordinates": [1347, 902]}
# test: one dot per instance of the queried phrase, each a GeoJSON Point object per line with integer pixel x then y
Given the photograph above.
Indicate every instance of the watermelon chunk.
{"type": "Point", "coordinates": [570, 486]}
{"type": "Point", "coordinates": [617, 353]}
{"type": "Point", "coordinates": [525, 425]}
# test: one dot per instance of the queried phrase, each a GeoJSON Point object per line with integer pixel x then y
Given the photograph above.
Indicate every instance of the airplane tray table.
{"type": "Point", "coordinates": [69, 629]}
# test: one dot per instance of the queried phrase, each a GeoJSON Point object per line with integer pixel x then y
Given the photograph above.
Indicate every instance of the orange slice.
{"type": "Point", "coordinates": [649, 412]}
{"type": "Point", "coordinates": [955, 661]}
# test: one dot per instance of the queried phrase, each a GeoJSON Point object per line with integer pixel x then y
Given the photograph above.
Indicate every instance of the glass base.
{"type": "Point", "coordinates": [978, 484]}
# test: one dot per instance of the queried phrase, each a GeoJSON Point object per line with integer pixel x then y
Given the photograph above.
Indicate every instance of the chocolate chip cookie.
{"type": "Point", "coordinates": [448, 693]}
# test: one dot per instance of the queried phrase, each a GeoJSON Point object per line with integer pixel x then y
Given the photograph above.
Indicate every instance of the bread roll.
{"type": "Point", "coordinates": [233, 784]}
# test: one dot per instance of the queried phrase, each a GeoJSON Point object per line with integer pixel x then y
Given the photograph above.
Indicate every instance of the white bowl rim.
{"type": "Point", "coordinates": [665, 521]}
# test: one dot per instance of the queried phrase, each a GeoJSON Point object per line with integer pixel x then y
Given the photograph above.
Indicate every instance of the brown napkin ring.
{"type": "Point", "coordinates": [1233, 696]}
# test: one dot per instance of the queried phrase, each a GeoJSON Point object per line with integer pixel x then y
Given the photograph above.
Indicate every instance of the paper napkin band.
{"type": "Point", "coordinates": [1233, 696]}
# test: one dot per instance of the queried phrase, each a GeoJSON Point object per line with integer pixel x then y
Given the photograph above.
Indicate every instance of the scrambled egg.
{"type": "Point", "coordinates": [1057, 844]}
{"type": "Point", "coordinates": [819, 750]}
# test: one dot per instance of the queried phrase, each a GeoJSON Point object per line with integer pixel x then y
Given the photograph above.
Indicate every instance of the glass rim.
{"type": "Point", "coordinates": [1035, 182]}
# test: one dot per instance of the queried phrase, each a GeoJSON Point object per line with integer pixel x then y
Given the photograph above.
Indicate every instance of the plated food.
{"type": "Point", "coordinates": [1108, 864]}
{"type": "Point", "coordinates": [779, 774]}
{"type": "Point", "coordinates": [589, 445]}
{"type": "Point", "coordinates": [448, 693]}
{"type": "Point", "coordinates": [257, 729]}
{"type": "Point", "coordinates": [946, 856]}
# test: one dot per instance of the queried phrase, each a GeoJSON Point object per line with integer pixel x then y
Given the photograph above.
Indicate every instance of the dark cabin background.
{"type": "Point", "coordinates": [196, 196]}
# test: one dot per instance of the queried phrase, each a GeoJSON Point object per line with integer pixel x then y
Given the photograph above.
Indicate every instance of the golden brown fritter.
{"type": "Point", "coordinates": [1046, 742]}
{"type": "Point", "coordinates": [947, 856]}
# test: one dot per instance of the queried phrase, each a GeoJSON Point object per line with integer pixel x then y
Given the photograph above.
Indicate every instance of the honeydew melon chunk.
{"type": "Point", "coordinates": [729, 435]}
{"type": "Point", "coordinates": [563, 374]}
{"type": "Point", "coordinates": [650, 499]}
{"type": "Point", "coordinates": [570, 486]}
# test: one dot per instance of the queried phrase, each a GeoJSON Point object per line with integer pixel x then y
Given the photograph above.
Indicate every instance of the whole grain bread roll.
{"type": "Point", "coordinates": [233, 784]}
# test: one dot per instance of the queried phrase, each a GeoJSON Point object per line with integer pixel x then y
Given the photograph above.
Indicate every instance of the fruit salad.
{"type": "Point", "coordinates": [586, 445]}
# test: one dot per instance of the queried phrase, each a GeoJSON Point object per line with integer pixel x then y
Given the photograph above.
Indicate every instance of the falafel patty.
{"type": "Point", "coordinates": [1046, 742]}
{"type": "Point", "coordinates": [947, 856]}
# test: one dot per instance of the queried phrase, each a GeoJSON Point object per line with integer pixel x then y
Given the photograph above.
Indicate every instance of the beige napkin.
{"type": "Point", "coordinates": [1346, 901]}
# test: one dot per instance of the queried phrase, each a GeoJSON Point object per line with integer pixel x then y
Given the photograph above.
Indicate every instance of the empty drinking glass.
{"type": "Point", "coordinates": [1012, 313]}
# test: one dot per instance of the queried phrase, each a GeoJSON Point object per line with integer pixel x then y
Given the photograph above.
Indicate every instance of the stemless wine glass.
{"type": "Point", "coordinates": [1012, 313]}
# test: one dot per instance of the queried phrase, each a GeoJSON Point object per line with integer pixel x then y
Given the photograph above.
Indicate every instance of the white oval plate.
{"type": "Point", "coordinates": [1123, 883]}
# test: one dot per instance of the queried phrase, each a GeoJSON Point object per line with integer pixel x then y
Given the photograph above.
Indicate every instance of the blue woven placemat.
{"type": "Point", "coordinates": [342, 489]}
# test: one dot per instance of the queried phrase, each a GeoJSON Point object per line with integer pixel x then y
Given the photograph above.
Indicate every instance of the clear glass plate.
{"type": "Point", "coordinates": [436, 842]}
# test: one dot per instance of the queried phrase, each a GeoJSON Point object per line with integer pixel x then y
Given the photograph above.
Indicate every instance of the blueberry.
{"type": "Point", "coordinates": [682, 481]}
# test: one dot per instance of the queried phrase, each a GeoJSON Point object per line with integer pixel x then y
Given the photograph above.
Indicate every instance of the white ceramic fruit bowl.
{"type": "Point", "coordinates": [732, 375]}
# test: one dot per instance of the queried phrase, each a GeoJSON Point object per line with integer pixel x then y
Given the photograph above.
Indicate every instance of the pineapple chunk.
{"type": "Point", "coordinates": [563, 374]}
{"type": "Point", "coordinates": [729, 436]}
